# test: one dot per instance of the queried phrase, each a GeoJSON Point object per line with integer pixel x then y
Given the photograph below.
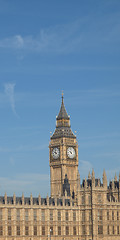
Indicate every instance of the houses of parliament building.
{"type": "Point", "coordinates": [74, 211]}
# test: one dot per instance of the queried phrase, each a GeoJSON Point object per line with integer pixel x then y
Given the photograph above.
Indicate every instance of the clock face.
{"type": "Point", "coordinates": [55, 153]}
{"type": "Point", "coordinates": [71, 152]}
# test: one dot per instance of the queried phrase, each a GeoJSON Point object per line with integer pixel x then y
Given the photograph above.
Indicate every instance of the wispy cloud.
{"type": "Point", "coordinates": [110, 155]}
{"type": "Point", "coordinates": [12, 42]}
{"type": "Point", "coordinates": [24, 148]}
{"type": "Point", "coordinates": [80, 35]}
{"type": "Point", "coordinates": [9, 91]}
{"type": "Point", "coordinates": [77, 98]}
{"type": "Point", "coordinates": [108, 135]}
{"type": "Point", "coordinates": [25, 183]}
{"type": "Point", "coordinates": [93, 96]}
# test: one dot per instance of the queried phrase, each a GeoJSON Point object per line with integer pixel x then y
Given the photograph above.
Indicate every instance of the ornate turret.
{"type": "Point", "coordinates": [63, 124]}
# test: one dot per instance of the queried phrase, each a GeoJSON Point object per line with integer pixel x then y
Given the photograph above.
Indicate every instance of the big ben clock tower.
{"type": "Point", "coordinates": [63, 157]}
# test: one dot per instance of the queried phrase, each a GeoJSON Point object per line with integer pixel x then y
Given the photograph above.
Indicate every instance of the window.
{"type": "Point", "coordinates": [9, 230]}
{"type": "Point", "coordinates": [66, 216]}
{"type": "Point", "coordinates": [26, 230]}
{"type": "Point", "coordinates": [113, 230]}
{"type": "Point", "coordinates": [59, 230]}
{"type": "Point", "coordinates": [26, 214]}
{"type": "Point", "coordinates": [99, 215]}
{"type": "Point", "coordinates": [67, 230]}
{"type": "Point", "coordinates": [108, 230]}
{"type": "Point", "coordinates": [9, 214]}
{"type": "Point", "coordinates": [117, 215]}
{"type": "Point", "coordinates": [83, 229]}
{"type": "Point", "coordinates": [51, 230]}
{"type": "Point", "coordinates": [90, 229]}
{"type": "Point", "coordinates": [35, 215]}
{"type": "Point", "coordinates": [18, 230]}
{"type": "Point", "coordinates": [0, 214]}
{"type": "Point", "coordinates": [83, 216]}
{"type": "Point", "coordinates": [100, 229]}
{"type": "Point", "coordinates": [112, 215]}
{"type": "Point", "coordinates": [83, 200]}
{"type": "Point", "coordinates": [74, 216]}
{"type": "Point", "coordinates": [89, 200]}
{"type": "Point", "coordinates": [35, 230]}
{"type": "Point", "coordinates": [43, 215]}
{"type": "Point", "coordinates": [99, 198]}
{"type": "Point", "coordinates": [107, 215]}
{"type": "Point", "coordinates": [43, 230]}
{"type": "Point", "coordinates": [51, 215]}
{"type": "Point", "coordinates": [1, 230]}
{"type": "Point", "coordinates": [117, 229]}
{"type": "Point", "coordinates": [59, 215]}
{"type": "Point", "coordinates": [18, 214]}
{"type": "Point", "coordinates": [74, 230]}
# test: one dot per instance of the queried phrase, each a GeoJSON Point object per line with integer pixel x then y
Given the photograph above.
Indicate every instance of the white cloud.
{"type": "Point", "coordinates": [9, 91]}
{"type": "Point", "coordinates": [12, 42]}
{"type": "Point", "coordinates": [19, 41]}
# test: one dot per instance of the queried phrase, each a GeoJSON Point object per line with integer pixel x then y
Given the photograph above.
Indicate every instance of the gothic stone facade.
{"type": "Point", "coordinates": [87, 211]}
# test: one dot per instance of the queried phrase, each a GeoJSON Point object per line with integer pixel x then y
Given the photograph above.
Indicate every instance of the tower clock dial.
{"type": "Point", "coordinates": [71, 152]}
{"type": "Point", "coordinates": [55, 153]}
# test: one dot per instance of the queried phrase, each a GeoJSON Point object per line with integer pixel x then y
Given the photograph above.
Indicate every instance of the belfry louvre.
{"type": "Point", "coordinates": [87, 211]}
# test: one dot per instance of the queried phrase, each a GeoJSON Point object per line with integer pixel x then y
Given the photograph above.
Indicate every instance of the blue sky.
{"type": "Point", "coordinates": [47, 47]}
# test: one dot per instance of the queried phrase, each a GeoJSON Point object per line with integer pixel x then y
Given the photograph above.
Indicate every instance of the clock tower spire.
{"type": "Point", "coordinates": [63, 156]}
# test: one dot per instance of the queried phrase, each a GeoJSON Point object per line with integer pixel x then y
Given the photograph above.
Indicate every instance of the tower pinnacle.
{"type": "Point", "coordinates": [62, 113]}
{"type": "Point", "coordinates": [63, 123]}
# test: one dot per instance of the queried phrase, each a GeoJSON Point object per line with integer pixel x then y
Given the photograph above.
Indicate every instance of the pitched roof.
{"type": "Point", "coordinates": [62, 113]}
{"type": "Point", "coordinates": [63, 132]}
